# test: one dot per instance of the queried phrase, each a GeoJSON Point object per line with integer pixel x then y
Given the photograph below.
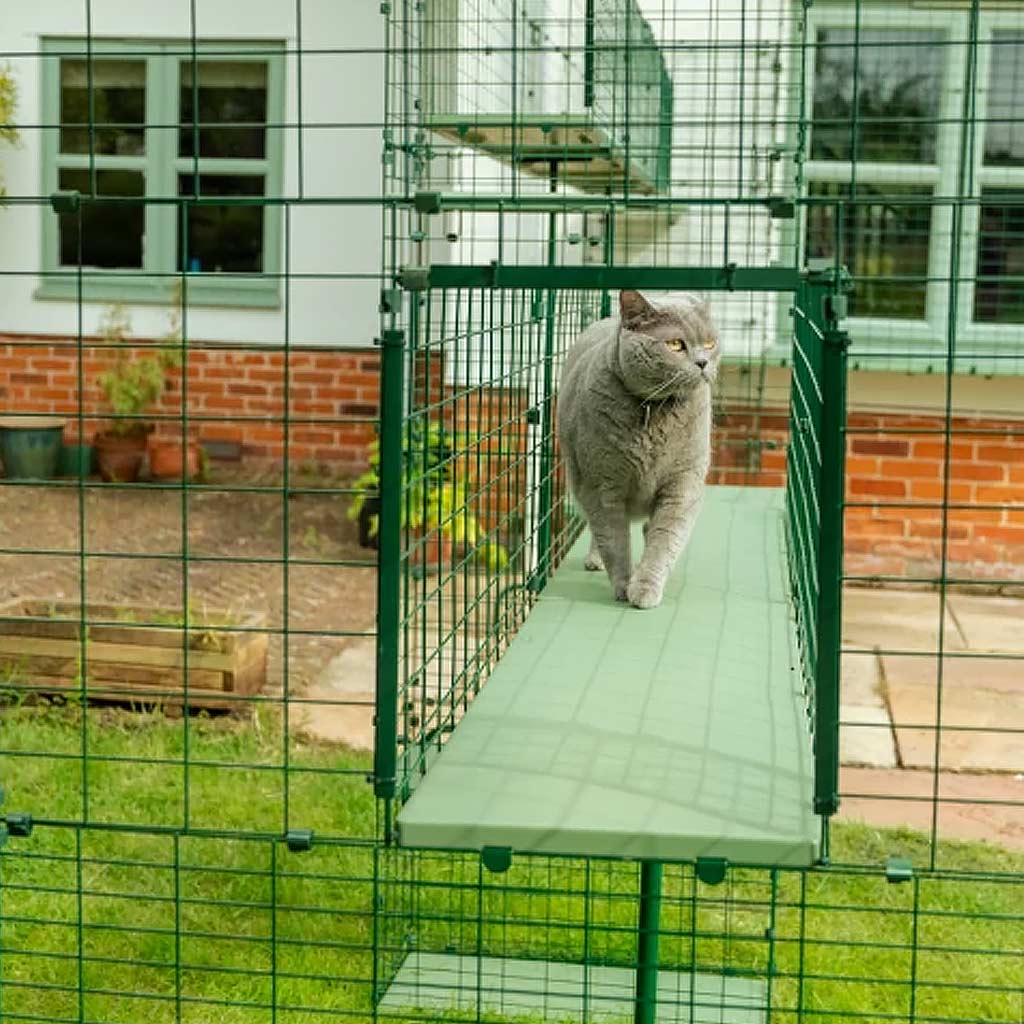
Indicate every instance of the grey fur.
{"type": "Point", "coordinates": [634, 422]}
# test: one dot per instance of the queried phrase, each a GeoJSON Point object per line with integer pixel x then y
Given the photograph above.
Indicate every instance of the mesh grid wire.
{"type": "Point", "coordinates": [177, 844]}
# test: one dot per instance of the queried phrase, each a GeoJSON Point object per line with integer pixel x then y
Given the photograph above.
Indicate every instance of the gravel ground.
{"type": "Point", "coordinates": [295, 559]}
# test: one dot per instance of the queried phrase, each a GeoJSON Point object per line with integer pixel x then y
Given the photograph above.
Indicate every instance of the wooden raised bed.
{"type": "Point", "coordinates": [131, 653]}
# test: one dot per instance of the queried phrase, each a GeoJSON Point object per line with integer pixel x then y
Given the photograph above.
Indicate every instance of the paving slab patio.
{"type": "Point", "coordinates": [990, 623]}
{"type": "Point", "coordinates": [896, 620]}
{"type": "Point", "coordinates": [888, 776]}
{"type": "Point", "coordinates": [337, 707]}
{"type": "Point", "coordinates": [965, 806]}
{"type": "Point", "coordinates": [966, 712]}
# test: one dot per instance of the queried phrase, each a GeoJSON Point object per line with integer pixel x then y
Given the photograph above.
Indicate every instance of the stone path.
{"type": "Point", "coordinates": [932, 721]}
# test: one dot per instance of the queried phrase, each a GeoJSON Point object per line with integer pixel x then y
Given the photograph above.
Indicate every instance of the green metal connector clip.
{"type": "Point", "coordinates": [427, 202]}
{"type": "Point", "coordinates": [19, 824]}
{"type": "Point", "coordinates": [66, 202]}
{"type": "Point", "coordinates": [298, 840]}
{"type": "Point", "coordinates": [898, 869]}
{"type": "Point", "coordinates": [711, 870]}
{"type": "Point", "coordinates": [836, 338]}
{"type": "Point", "coordinates": [834, 309]}
{"type": "Point", "coordinates": [826, 805]}
{"type": "Point", "coordinates": [414, 279]}
{"type": "Point", "coordinates": [496, 858]}
{"type": "Point", "coordinates": [781, 208]}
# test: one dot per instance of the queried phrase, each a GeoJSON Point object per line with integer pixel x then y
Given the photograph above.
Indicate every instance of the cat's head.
{"type": "Point", "coordinates": [668, 349]}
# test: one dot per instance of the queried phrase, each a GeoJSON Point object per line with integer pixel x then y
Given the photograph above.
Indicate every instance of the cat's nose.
{"type": "Point", "coordinates": [700, 362]}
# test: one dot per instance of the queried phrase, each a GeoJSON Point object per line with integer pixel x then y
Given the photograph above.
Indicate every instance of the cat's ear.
{"type": "Point", "coordinates": [700, 305]}
{"type": "Point", "coordinates": [634, 307]}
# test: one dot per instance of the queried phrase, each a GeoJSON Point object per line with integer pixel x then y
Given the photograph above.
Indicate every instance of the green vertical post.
{"type": "Point", "coordinates": [825, 306]}
{"type": "Point", "coordinates": [645, 1011]}
{"type": "Point", "coordinates": [547, 442]}
{"type": "Point", "coordinates": [588, 54]}
{"type": "Point", "coordinates": [389, 554]}
{"type": "Point", "coordinates": [663, 167]}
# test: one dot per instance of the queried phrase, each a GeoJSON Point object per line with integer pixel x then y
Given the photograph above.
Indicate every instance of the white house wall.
{"type": "Point", "coordinates": [342, 111]}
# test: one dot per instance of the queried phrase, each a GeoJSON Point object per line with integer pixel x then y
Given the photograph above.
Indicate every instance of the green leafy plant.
{"type": "Point", "coordinates": [135, 382]}
{"type": "Point", "coordinates": [432, 498]}
{"type": "Point", "coordinates": [8, 102]}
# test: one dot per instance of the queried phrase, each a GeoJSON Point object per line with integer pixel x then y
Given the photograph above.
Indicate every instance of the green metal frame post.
{"type": "Point", "coordinates": [547, 454]}
{"type": "Point", "coordinates": [588, 54]}
{"type": "Point", "coordinates": [648, 934]}
{"type": "Point", "coordinates": [827, 302]}
{"type": "Point", "coordinates": [389, 555]}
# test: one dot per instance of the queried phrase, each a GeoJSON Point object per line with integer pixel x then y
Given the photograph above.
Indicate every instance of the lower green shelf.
{"type": "Point", "coordinates": [565, 992]}
{"type": "Point", "coordinates": [670, 734]}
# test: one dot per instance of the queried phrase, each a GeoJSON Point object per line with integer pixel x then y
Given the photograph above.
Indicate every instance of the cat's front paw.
{"type": "Point", "coordinates": [593, 561]}
{"type": "Point", "coordinates": [644, 593]}
{"type": "Point", "coordinates": [621, 590]}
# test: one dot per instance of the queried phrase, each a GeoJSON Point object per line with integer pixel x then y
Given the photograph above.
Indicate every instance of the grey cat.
{"type": "Point", "coordinates": [634, 422]}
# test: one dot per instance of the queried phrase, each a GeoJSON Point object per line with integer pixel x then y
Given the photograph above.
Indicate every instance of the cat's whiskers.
{"type": "Point", "coordinates": [672, 381]}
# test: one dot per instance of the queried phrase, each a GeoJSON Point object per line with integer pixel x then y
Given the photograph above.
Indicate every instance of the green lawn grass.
{"type": "Point", "coordinates": [135, 919]}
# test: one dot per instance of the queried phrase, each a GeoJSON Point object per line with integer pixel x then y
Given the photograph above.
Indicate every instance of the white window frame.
{"type": "Point", "coordinates": [161, 164]}
{"type": "Point", "coordinates": [888, 335]}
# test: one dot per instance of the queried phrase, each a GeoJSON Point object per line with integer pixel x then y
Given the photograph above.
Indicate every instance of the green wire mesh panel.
{"type": "Point", "coordinates": [175, 843]}
{"type": "Point", "coordinates": [482, 508]}
{"type": "Point", "coordinates": [853, 943]}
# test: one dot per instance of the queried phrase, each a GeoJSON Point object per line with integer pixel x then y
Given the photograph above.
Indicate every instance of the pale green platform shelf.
{"type": "Point", "coordinates": [665, 735]}
{"type": "Point", "coordinates": [510, 987]}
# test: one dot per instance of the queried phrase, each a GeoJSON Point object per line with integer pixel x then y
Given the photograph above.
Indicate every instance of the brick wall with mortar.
{"type": "Point", "coordinates": [236, 396]}
{"type": "Point", "coordinates": [233, 395]}
{"type": "Point", "coordinates": [895, 471]}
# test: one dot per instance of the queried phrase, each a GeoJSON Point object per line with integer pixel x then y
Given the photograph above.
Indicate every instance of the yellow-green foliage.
{"type": "Point", "coordinates": [136, 382]}
{"type": "Point", "coordinates": [8, 101]}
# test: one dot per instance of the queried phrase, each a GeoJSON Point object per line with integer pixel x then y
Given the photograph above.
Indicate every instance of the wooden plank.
{"type": "Point", "coordinates": [123, 654]}
{"type": "Point", "coordinates": [113, 691]}
{"type": "Point", "coordinates": [584, 152]}
{"type": "Point", "coordinates": [63, 620]}
{"type": "Point", "coordinates": [128, 658]}
{"type": "Point", "coordinates": [250, 670]}
{"type": "Point", "coordinates": [31, 668]}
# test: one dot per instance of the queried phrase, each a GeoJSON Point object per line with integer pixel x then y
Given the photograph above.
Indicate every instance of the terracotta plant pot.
{"type": "Point", "coordinates": [119, 456]}
{"type": "Point", "coordinates": [171, 460]}
{"type": "Point", "coordinates": [432, 552]}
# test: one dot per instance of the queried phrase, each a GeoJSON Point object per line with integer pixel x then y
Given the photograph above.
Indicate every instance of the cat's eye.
{"type": "Point", "coordinates": [708, 343]}
{"type": "Point", "coordinates": [675, 344]}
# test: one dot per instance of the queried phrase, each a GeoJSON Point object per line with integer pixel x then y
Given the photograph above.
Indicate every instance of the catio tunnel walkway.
{"type": "Point", "coordinates": [675, 733]}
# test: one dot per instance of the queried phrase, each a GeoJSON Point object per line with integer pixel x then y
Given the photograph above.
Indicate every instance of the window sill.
{"type": "Point", "coordinates": [137, 289]}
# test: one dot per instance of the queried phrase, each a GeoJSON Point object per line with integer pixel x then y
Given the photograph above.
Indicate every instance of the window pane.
{"type": "Point", "coordinates": [119, 106]}
{"type": "Point", "coordinates": [223, 238]}
{"type": "Point", "coordinates": [899, 82]}
{"type": "Point", "coordinates": [1004, 129]}
{"type": "Point", "coordinates": [884, 245]}
{"type": "Point", "coordinates": [111, 234]}
{"type": "Point", "coordinates": [1000, 254]}
{"type": "Point", "coordinates": [229, 92]}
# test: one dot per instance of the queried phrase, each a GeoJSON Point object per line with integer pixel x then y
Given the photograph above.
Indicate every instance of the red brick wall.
{"type": "Point", "coordinates": [233, 394]}
{"type": "Point", "coordinates": [895, 467]}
